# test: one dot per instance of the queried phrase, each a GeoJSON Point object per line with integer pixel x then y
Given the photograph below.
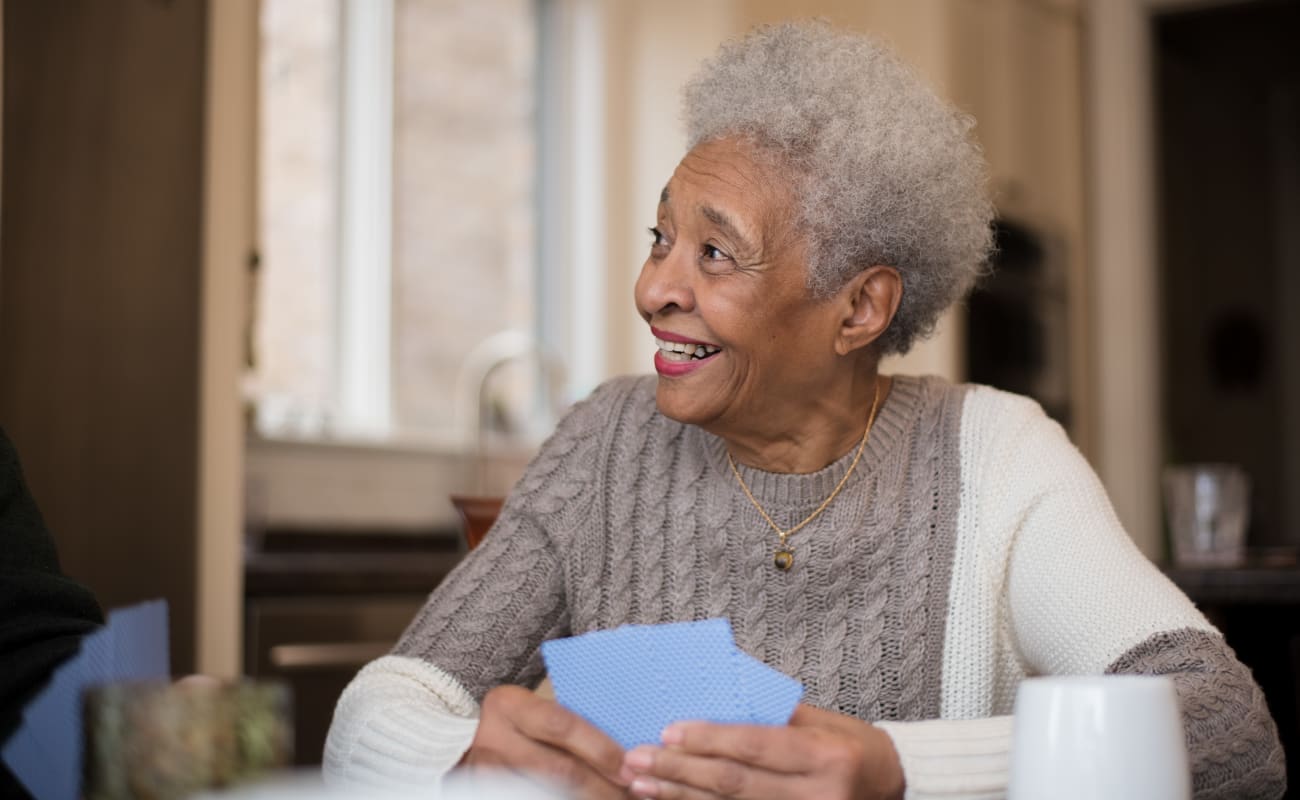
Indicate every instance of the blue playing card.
{"type": "Point", "coordinates": [139, 643]}
{"type": "Point", "coordinates": [771, 695]}
{"type": "Point", "coordinates": [605, 678]}
{"type": "Point", "coordinates": [52, 720]}
{"type": "Point", "coordinates": [693, 666]}
{"type": "Point", "coordinates": [23, 749]}
{"type": "Point", "coordinates": [45, 752]}
{"type": "Point", "coordinates": [633, 681]}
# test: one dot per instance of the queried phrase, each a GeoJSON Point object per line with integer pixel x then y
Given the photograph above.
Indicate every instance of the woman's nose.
{"type": "Point", "coordinates": [664, 285]}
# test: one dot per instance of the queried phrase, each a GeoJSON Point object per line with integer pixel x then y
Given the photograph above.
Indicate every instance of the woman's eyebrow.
{"type": "Point", "coordinates": [724, 222]}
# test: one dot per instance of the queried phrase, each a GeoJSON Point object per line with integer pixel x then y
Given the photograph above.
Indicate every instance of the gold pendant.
{"type": "Point", "coordinates": [784, 559]}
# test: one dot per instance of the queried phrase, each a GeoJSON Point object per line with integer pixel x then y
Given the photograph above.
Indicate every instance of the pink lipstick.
{"type": "Point", "coordinates": [679, 355]}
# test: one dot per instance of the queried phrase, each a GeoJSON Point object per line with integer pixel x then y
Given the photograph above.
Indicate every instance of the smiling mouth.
{"type": "Point", "coordinates": [683, 351]}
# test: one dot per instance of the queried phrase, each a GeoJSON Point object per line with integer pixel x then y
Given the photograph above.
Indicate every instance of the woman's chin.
{"type": "Point", "coordinates": [680, 403]}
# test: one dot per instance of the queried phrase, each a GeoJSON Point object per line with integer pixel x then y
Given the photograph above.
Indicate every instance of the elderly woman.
{"type": "Point", "coordinates": [908, 549]}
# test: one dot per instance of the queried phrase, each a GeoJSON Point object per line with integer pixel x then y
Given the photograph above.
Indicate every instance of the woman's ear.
{"type": "Point", "coordinates": [870, 301]}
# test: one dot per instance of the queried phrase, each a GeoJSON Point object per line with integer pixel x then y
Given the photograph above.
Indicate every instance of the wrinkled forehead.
{"type": "Point", "coordinates": [729, 184]}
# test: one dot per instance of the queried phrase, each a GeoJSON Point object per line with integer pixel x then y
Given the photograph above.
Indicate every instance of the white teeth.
{"type": "Point", "coordinates": [681, 351]}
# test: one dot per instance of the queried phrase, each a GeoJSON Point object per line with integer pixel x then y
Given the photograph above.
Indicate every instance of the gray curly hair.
{"type": "Point", "coordinates": [885, 171]}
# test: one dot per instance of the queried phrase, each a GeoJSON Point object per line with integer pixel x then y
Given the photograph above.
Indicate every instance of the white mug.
{"type": "Point", "coordinates": [1089, 737]}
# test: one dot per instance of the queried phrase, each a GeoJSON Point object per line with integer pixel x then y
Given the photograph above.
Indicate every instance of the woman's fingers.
{"type": "Point", "coordinates": [543, 762]}
{"type": "Point", "coordinates": [806, 716]}
{"type": "Point", "coordinates": [526, 734]}
{"type": "Point", "coordinates": [820, 754]}
{"type": "Point", "coordinates": [702, 760]}
{"type": "Point", "coordinates": [677, 775]}
{"type": "Point", "coordinates": [667, 790]}
{"type": "Point", "coordinates": [779, 749]}
{"type": "Point", "coordinates": [549, 722]}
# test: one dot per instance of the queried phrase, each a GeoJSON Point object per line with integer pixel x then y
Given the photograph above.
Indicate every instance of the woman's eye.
{"type": "Point", "coordinates": [657, 238]}
{"type": "Point", "coordinates": [712, 253]}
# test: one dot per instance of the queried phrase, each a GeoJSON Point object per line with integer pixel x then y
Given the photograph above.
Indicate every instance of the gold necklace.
{"type": "Point", "coordinates": [783, 558]}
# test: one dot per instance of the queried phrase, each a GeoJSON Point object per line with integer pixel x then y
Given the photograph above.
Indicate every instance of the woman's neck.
{"type": "Point", "coordinates": [807, 434]}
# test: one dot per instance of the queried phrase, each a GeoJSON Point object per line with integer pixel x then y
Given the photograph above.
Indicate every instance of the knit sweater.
{"type": "Point", "coordinates": [972, 547]}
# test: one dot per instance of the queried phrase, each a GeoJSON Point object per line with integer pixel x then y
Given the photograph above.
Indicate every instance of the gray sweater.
{"type": "Point", "coordinates": [972, 547]}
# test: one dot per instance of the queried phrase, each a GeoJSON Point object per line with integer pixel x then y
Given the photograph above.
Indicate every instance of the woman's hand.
{"type": "Point", "coordinates": [819, 754]}
{"type": "Point", "coordinates": [522, 732]}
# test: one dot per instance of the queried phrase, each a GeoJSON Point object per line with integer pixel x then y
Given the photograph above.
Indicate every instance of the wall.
{"type": "Point", "coordinates": [1123, 326]}
{"type": "Point", "coordinates": [1017, 66]}
{"type": "Point", "coordinates": [653, 52]}
{"type": "Point", "coordinates": [229, 231]}
{"type": "Point", "coordinates": [99, 294]}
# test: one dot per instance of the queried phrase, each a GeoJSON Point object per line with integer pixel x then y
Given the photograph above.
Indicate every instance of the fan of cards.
{"type": "Point", "coordinates": [633, 681]}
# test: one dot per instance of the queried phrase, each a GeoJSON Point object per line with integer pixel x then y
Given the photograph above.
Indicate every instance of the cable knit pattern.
{"type": "Point", "coordinates": [971, 548]}
{"type": "Point", "coordinates": [627, 516]}
{"type": "Point", "coordinates": [1231, 738]}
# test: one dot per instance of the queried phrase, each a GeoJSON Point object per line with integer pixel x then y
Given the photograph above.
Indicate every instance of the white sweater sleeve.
{"type": "Point", "coordinates": [1045, 581]}
{"type": "Point", "coordinates": [961, 759]}
{"type": "Point", "coordinates": [1079, 594]}
{"type": "Point", "coordinates": [401, 724]}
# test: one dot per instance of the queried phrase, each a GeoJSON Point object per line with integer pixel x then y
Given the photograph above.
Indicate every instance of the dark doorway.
{"type": "Point", "coordinates": [1228, 120]}
{"type": "Point", "coordinates": [1227, 88]}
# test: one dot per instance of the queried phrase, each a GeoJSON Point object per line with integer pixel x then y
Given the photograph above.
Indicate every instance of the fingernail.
{"type": "Point", "coordinates": [640, 760]}
{"type": "Point", "coordinates": [644, 787]}
{"type": "Point", "coordinates": [673, 734]}
{"type": "Point", "coordinates": [626, 775]}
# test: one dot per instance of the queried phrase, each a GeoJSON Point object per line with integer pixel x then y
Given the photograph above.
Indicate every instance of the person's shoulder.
{"type": "Point", "coordinates": [611, 404]}
{"type": "Point", "coordinates": [613, 399]}
{"type": "Point", "coordinates": [986, 412]}
{"type": "Point", "coordinates": [578, 452]}
{"type": "Point", "coordinates": [970, 399]}
{"type": "Point", "coordinates": [1005, 424]}
{"type": "Point", "coordinates": [637, 390]}
{"type": "Point", "coordinates": [1006, 407]}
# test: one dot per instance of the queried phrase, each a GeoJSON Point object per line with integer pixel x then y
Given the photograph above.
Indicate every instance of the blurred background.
{"type": "Point", "coordinates": [277, 278]}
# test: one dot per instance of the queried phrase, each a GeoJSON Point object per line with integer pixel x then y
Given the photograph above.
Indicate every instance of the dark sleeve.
{"type": "Point", "coordinates": [43, 613]}
{"type": "Point", "coordinates": [1231, 738]}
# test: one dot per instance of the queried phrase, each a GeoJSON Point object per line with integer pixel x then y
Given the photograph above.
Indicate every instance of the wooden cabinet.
{"type": "Point", "coordinates": [320, 605]}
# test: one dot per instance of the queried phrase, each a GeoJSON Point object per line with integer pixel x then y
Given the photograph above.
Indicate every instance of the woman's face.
{"type": "Point", "coordinates": [725, 282]}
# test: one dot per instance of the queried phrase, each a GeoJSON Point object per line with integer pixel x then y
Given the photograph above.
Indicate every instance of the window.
{"type": "Point", "coordinates": [398, 176]}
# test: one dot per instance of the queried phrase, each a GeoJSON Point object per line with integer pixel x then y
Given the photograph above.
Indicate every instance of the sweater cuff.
{"type": "Point", "coordinates": [960, 759]}
{"type": "Point", "coordinates": [401, 723]}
